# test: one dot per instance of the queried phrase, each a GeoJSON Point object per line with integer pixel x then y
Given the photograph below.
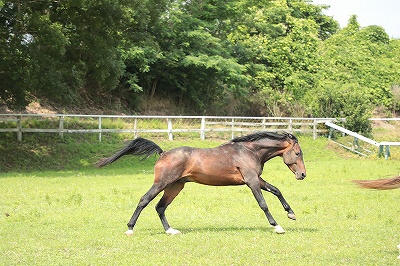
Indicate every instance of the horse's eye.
{"type": "Point", "coordinates": [297, 153]}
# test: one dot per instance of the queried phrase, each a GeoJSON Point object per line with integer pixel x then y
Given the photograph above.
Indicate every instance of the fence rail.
{"type": "Point", "coordinates": [355, 147]}
{"type": "Point", "coordinates": [165, 125]}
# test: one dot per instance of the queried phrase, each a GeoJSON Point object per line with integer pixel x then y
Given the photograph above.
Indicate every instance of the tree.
{"type": "Point", "coordinates": [61, 50]}
{"type": "Point", "coordinates": [326, 25]}
{"type": "Point", "coordinates": [215, 52]}
{"type": "Point", "coordinates": [357, 70]}
{"type": "Point", "coordinates": [278, 41]}
{"type": "Point", "coordinates": [183, 55]}
{"type": "Point", "coordinates": [227, 57]}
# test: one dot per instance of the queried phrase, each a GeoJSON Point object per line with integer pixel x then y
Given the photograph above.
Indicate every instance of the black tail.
{"type": "Point", "coordinates": [137, 147]}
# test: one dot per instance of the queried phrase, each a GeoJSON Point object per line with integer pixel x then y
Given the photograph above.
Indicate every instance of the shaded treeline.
{"type": "Point", "coordinates": [213, 57]}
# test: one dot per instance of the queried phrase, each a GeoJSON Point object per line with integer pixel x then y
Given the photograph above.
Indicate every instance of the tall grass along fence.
{"type": "Point", "coordinates": [159, 126]}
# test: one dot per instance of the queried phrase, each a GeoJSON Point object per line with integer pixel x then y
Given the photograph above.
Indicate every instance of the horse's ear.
{"type": "Point", "coordinates": [293, 137]}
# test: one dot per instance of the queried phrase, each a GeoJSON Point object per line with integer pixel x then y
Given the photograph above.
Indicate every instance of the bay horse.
{"type": "Point", "coordinates": [238, 162]}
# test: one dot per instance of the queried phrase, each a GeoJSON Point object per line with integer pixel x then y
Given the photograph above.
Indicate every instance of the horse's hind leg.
{"type": "Point", "coordinates": [149, 196]}
{"type": "Point", "coordinates": [274, 190]}
{"type": "Point", "coordinates": [170, 193]}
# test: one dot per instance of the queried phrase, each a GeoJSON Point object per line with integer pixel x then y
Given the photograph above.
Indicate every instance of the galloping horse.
{"type": "Point", "coordinates": [237, 162]}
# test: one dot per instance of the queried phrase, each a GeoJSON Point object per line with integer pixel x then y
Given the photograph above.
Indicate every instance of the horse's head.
{"type": "Point", "coordinates": [267, 145]}
{"type": "Point", "coordinates": [293, 158]}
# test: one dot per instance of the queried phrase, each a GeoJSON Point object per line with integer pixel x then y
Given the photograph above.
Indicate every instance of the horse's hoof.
{"type": "Point", "coordinates": [291, 215]}
{"type": "Point", "coordinates": [129, 233]}
{"type": "Point", "coordinates": [172, 231]}
{"type": "Point", "coordinates": [279, 229]}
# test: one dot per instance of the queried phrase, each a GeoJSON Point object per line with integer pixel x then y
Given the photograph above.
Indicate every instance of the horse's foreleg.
{"type": "Point", "coordinates": [144, 201]}
{"type": "Point", "coordinates": [274, 190]}
{"type": "Point", "coordinates": [169, 194]}
{"type": "Point", "coordinates": [254, 185]}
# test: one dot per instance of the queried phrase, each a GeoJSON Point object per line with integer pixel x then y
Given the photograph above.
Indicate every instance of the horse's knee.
{"type": "Point", "coordinates": [274, 190]}
{"type": "Point", "coordinates": [143, 202]}
{"type": "Point", "coordinates": [264, 207]}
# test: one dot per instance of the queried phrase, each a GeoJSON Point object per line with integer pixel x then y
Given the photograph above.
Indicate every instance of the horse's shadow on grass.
{"type": "Point", "coordinates": [188, 230]}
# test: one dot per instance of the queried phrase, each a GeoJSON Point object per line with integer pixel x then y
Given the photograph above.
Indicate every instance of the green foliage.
{"type": "Point", "coordinates": [59, 50]}
{"type": "Point", "coordinates": [270, 57]}
{"type": "Point", "coordinates": [361, 57]}
{"type": "Point", "coordinates": [183, 55]}
{"type": "Point", "coordinates": [356, 72]}
{"type": "Point", "coordinates": [343, 101]}
{"type": "Point", "coordinates": [279, 44]}
{"type": "Point", "coordinates": [327, 26]}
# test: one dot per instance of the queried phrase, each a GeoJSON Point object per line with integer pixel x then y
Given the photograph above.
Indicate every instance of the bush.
{"type": "Point", "coordinates": [342, 101]}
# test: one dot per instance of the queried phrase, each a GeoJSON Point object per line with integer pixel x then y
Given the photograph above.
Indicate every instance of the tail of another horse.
{"type": "Point", "coordinates": [382, 184]}
{"type": "Point", "coordinates": [137, 147]}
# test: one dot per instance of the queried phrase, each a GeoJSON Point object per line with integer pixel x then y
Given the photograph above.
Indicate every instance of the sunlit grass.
{"type": "Point", "coordinates": [78, 217]}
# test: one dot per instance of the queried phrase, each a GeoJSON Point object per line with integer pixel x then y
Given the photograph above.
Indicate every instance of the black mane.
{"type": "Point", "coordinates": [265, 134]}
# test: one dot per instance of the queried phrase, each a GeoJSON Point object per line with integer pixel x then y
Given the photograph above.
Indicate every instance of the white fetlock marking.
{"type": "Point", "coordinates": [279, 229]}
{"type": "Point", "coordinates": [172, 231]}
{"type": "Point", "coordinates": [129, 233]}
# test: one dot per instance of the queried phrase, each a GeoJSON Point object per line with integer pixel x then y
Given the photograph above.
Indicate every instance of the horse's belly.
{"type": "Point", "coordinates": [215, 167]}
{"type": "Point", "coordinates": [223, 179]}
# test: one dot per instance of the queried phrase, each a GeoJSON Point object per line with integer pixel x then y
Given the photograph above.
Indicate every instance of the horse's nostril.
{"type": "Point", "coordinates": [303, 175]}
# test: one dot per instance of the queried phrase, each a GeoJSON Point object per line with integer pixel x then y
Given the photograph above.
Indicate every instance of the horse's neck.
{"type": "Point", "coordinates": [269, 149]}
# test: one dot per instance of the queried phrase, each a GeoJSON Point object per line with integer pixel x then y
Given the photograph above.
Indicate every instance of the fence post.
{"type": "Point", "coordinates": [233, 128]}
{"type": "Point", "coordinates": [315, 129]}
{"type": "Point", "coordinates": [203, 129]}
{"type": "Point", "coordinates": [135, 133]}
{"type": "Point", "coordinates": [170, 136]}
{"type": "Point", "coordinates": [356, 143]}
{"type": "Point", "coordinates": [330, 133]}
{"type": "Point", "coordinates": [19, 127]}
{"type": "Point", "coordinates": [380, 151]}
{"type": "Point", "coordinates": [290, 126]}
{"type": "Point", "coordinates": [387, 152]}
{"type": "Point", "coordinates": [263, 124]}
{"type": "Point", "coordinates": [100, 128]}
{"type": "Point", "coordinates": [61, 127]}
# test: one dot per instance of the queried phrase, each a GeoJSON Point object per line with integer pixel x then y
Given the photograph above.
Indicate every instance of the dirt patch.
{"type": "Point", "coordinates": [36, 108]}
{"type": "Point", "coordinates": [385, 124]}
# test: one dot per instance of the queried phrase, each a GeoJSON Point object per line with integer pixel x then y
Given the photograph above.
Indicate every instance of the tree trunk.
{"type": "Point", "coordinates": [153, 89]}
{"type": "Point", "coordinates": [181, 98]}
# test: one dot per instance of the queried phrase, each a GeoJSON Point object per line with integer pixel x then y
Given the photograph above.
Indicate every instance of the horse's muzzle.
{"type": "Point", "coordinates": [300, 176]}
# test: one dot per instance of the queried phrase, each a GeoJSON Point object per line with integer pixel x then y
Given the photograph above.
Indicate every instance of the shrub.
{"type": "Point", "coordinates": [342, 101]}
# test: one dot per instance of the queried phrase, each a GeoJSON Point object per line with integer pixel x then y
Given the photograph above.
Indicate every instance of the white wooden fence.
{"type": "Point", "coordinates": [203, 125]}
{"type": "Point", "coordinates": [355, 147]}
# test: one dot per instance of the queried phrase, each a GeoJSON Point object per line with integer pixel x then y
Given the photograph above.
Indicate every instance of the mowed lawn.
{"type": "Point", "coordinates": [79, 217]}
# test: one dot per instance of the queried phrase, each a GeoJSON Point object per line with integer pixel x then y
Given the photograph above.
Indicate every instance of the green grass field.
{"type": "Point", "coordinates": [78, 217]}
